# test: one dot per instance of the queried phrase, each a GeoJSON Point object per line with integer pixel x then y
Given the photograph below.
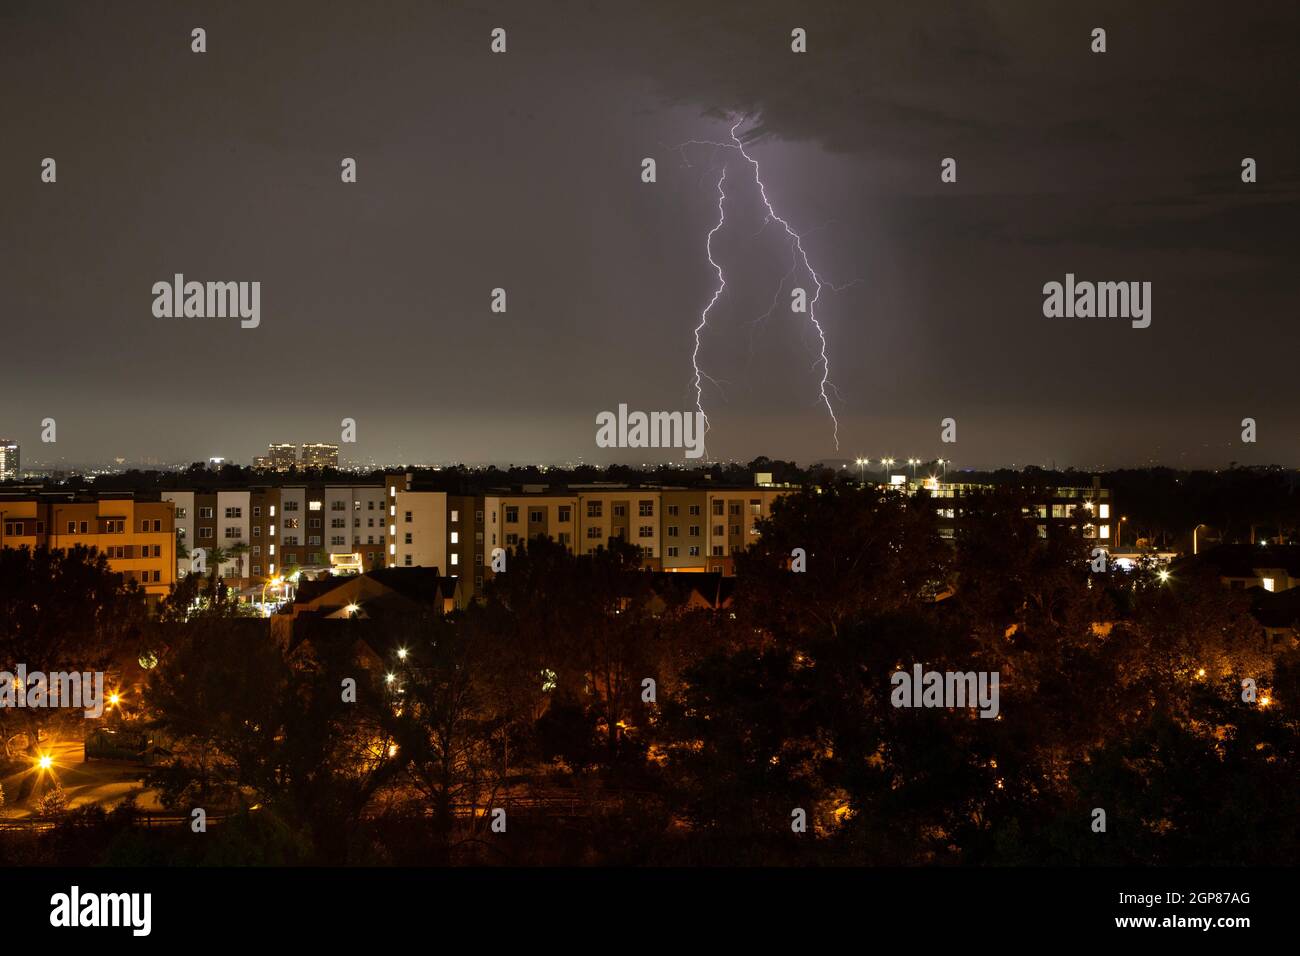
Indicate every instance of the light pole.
{"type": "Point", "coordinates": [886, 463]}
{"type": "Point", "coordinates": [1119, 532]}
{"type": "Point", "coordinates": [862, 463]}
{"type": "Point", "coordinates": [943, 463]}
{"type": "Point", "coordinates": [1194, 530]}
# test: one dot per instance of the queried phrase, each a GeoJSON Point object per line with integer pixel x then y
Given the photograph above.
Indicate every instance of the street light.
{"type": "Point", "coordinates": [1119, 532]}
{"type": "Point", "coordinates": [943, 463]}
{"type": "Point", "coordinates": [862, 463]}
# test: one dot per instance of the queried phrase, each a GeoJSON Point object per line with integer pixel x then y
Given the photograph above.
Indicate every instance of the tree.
{"type": "Point", "coordinates": [62, 611]}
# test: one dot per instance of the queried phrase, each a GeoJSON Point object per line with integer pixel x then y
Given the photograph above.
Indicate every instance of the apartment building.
{"type": "Point", "coordinates": [268, 531]}
{"type": "Point", "coordinates": [137, 536]}
{"type": "Point", "coordinates": [676, 529]}
{"type": "Point", "coordinates": [1090, 507]}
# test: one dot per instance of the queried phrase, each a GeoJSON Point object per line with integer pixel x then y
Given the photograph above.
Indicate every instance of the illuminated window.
{"type": "Point", "coordinates": [1268, 584]}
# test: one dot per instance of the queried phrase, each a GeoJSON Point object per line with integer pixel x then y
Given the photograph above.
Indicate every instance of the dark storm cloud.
{"type": "Point", "coordinates": [478, 171]}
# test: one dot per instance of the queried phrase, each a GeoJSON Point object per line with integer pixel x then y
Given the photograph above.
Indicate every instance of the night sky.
{"type": "Point", "coordinates": [522, 171]}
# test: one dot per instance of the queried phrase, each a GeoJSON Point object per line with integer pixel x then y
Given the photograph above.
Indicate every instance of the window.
{"type": "Point", "coordinates": [338, 506]}
{"type": "Point", "coordinates": [593, 510]}
{"type": "Point", "coordinates": [72, 527]}
{"type": "Point", "coordinates": [1268, 583]}
{"type": "Point", "coordinates": [672, 552]}
{"type": "Point", "coordinates": [291, 506]}
{"type": "Point", "coordinates": [646, 509]}
{"type": "Point", "coordinates": [673, 510]}
{"type": "Point", "coordinates": [337, 539]}
{"type": "Point", "coordinates": [735, 529]}
{"type": "Point", "coordinates": [338, 523]}
{"type": "Point", "coordinates": [256, 551]}
{"type": "Point", "coordinates": [234, 512]}
{"type": "Point", "coordinates": [512, 539]}
{"type": "Point", "coordinates": [408, 537]}
{"type": "Point", "coordinates": [157, 524]}
{"type": "Point", "coordinates": [257, 570]}
{"type": "Point", "coordinates": [455, 559]}
{"type": "Point", "coordinates": [313, 505]}
{"type": "Point", "coordinates": [694, 531]}
{"type": "Point", "coordinates": [694, 551]}
{"type": "Point", "coordinates": [565, 538]}
{"type": "Point", "coordinates": [564, 514]}
{"type": "Point", "coordinates": [408, 517]}
{"type": "Point", "coordinates": [620, 511]}
{"type": "Point", "coordinates": [536, 516]}
{"type": "Point", "coordinates": [291, 524]}
{"type": "Point", "coordinates": [83, 527]}
{"type": "Point", "coordinates": [672, 531]}
{"type": "Point", "coordinates": [478, 517]}
{"type": "Point", "coordinates": [718, 531]}
{"type": "Point", "coordinates": [455, 516]}
{"type": "Point", "coordinates": [271, 511]}
{"type": "Point", "coordinates": [257, 511]}
{"type": "Point", "coordinates": [114, 526]}
{"type": "Point", "coordinates": [408, 561]}
{"type": "Point", "coordinates": [455, 537]}
{"type": "Point", "coordinates": [717, 551]}
{"type": "Point", "coordinates": [257, 531]}
{"type": "Point", "coordinates": [290, 539]}
{"type": "Point", "coordinates": [206, 533]}
{"type": "Point", "coordinates": [313, 522]}
{"type": "Point", "coordinates": [717, 506]}
{"type": "Point", "coordinates": [182, 512]}
{"type": "Point", "coordinates": [695, 510]}
{"type": "Point", "coordinates": [144, 525]}
{"type": "Point", "coordinates": [593, 533]}
{"type": "Point", "coordinates": [313, 539]}
{"type": "Point", "coordinates": [232, 532]}
{"type": "Point", "coordinates": [646, 531]}
{"type": "Point", "coordinates": [205, 512]}
{"type": "Point", "coordinates": [512, 514]}
{"type": "Point", "coordinates": [734, 509]}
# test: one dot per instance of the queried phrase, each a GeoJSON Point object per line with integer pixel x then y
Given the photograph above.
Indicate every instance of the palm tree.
{"type": "Point", "coordinates": [217, 556]}
{"type": "Point", "coordinates": [236, 554]}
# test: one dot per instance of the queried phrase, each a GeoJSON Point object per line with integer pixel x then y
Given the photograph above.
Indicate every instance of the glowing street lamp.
{"type": "Point", "coordinates": [862, 463]}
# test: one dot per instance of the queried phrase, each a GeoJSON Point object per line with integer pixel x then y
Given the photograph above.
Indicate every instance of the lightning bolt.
{"type": "Point", "coordinates": [800, 256]}
{"type": "Point", "coordinates": [717, 293]}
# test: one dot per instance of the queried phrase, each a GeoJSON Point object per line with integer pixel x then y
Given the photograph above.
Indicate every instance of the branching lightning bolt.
{"type": "Point", "coordinates": [800, 256]}
{"type": "Point", "coordinates": [817, 282]}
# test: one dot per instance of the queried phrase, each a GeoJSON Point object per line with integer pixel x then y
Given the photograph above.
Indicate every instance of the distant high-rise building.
{"type": "Point", "coordinates": [283, 457]}
{"type": "Point", "coordinates": [320, 455]}
{"type": "Point", "coordinates": [8, 459]}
